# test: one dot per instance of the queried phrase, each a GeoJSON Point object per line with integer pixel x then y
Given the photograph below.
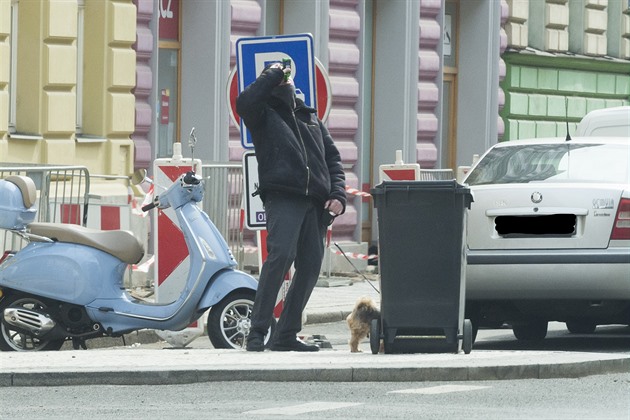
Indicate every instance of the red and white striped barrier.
{"type": "Point", "coordinates": [354, 191]}
{"type": "Point", "coordinates": [136, 209]}
{"type": "Point", "coordinates": [145, 266]}
{"type": "Point", "coordinates": [261, 236]}
{"type": "Point", "coordinates": [172, 260]}
{"type": "Point", "coordinates": [100, 216]}
{"type": "Point", "coordinates": [355, 255]}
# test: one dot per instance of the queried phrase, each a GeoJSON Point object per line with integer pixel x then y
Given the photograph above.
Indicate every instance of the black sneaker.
{"type": "Point", "coordinates": [255, 343]}
{"type": "Point", "coordinates": [295, 345]}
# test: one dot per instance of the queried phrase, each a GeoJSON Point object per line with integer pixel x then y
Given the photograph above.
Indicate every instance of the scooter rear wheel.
{"type": "Point", "coordinates": [229, 321]}
{"type": "Point", "coordinates": [14, 340]}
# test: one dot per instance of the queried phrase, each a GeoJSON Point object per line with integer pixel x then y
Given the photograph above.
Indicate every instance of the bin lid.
{"type": "Point", "coordinates": [449, 185]}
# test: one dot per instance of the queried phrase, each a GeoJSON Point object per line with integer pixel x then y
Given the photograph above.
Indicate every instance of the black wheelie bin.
{"type": "Point", "coordinates": [422, 262]}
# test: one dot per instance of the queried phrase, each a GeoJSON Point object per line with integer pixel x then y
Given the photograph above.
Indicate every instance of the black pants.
{"type": "Point", "coordinates": [295, 235]}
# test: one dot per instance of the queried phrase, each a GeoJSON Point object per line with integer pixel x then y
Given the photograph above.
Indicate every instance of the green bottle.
{"type": "Point", "coordinates": [286, 62]}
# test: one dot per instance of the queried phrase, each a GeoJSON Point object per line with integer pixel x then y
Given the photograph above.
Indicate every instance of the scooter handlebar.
{"type": "Point", "coordinates": [191, 179]}
{"type": "Point", "coordinates": [150, 206]}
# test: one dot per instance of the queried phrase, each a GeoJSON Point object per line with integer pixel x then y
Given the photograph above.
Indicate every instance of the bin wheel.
{"type": "Point", "coordinates": [375, 335]}
{"type": "Point", "coordinates": [468, 336]}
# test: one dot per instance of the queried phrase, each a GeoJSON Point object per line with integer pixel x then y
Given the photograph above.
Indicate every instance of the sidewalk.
{"type": "Point", "coordinates": [141, 364]}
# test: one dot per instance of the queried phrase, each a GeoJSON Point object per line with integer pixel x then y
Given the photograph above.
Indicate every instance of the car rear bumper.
{"type": "Point", "coordinates": [552, 274]}
{"type": "Point", "coordinates": [550, 256]}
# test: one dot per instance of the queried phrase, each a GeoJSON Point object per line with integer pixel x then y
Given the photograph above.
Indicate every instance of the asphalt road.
{"type": "Point", "coordinates": [589, 398]}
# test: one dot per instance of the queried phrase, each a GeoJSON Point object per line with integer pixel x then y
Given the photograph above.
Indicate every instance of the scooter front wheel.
{"type": "Point", "coordinates": [229, 321]}
{"type": "Point", "coordinates": [13, 340]}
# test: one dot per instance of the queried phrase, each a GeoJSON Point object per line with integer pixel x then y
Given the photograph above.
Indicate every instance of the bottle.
{"type": "Point", "coordinates": [286, 63]}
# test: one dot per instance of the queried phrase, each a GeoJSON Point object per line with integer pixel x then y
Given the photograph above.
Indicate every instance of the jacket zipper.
{"type": "Point", "coordinates": [308, 169]}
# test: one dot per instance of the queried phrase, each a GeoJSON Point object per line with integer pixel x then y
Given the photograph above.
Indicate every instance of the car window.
{"type": "Point", "coordinates": [558, 162]}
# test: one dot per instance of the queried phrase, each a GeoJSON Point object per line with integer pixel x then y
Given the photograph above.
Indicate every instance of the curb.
{"type": "Point", "coordinates": [316, 374]}
{"type": "Point", "coordinates": [326, 317]}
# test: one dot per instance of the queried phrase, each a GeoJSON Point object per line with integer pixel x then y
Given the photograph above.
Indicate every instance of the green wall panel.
{"type": "Point", "coordinates": [577, 81]}
{"type": "Point", "coordinates": [606, 84]}
{"type": "Point", "coordinates": [623, 84]}
{"type": "Point", "coordinates": [544, 94]}
{"type": "Point", "coordinates": [526, 129]}
{"type": "Point", "coordinates": [529, 78]}
{"type": "Point", "coordinates": [538, 105]}
{"type": "Point", "coordinates": [546, 129]}
{"type": "Point", "coordinates": [548, 79]}
{"type": "Point", "coordinates": [518, 104]}
{"type": "Point", "coordinates": [556, 106]}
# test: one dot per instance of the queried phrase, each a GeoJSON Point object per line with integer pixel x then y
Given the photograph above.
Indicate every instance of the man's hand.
{"type": "Point", "coordinates": [334, 206]}
{"type": "Point", "coordinates": [285, 71]}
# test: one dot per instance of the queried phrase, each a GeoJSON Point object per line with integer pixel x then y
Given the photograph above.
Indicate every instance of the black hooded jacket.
{"type": "Point", "coordinates": [295, 151]}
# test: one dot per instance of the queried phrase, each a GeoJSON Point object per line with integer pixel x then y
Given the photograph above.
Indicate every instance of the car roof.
{"type": "Point", "coordinates": [556, 140]}
{"type": "Point", "coordinates": [609, 121]}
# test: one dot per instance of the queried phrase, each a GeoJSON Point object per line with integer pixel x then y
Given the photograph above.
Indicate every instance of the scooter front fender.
{"type": "Point", "coordinates": [223, 283]}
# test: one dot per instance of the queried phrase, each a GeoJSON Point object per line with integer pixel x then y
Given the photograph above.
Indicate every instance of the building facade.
{"type": "Point", "coordinates": [67, 75]}
{"type": "Point", "coordinates": [112, 84]}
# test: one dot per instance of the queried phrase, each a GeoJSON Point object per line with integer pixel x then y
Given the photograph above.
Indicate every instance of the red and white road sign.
{"type": "Point", "coordinates": [261, 237]}
{"type": "Point", "coordinates": [399, 171]}
{"type": "Point", "coordinates": [322, 91]}
{"type": "Point", "coordinates": [172, 261]}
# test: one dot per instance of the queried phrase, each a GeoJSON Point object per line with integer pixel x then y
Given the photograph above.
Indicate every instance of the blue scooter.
{"type": "Point", "coordinates": [67, 283]}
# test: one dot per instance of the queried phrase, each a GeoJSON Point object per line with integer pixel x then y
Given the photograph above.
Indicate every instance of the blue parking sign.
{"type": "Point", "coordinates": [254, 54]}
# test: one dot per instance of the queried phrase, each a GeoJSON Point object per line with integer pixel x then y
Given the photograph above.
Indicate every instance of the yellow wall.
{"type": "Point", "coordinates": [47, 81]}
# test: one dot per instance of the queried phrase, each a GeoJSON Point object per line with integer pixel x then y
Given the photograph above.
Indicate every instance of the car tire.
{"type": "Point", "coordinates": [531, 331]}
{"type": "Point", "coordinates": [581, 327]}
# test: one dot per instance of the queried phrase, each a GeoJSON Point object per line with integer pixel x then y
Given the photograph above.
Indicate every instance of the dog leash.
{"type": "Point", "coordinates": [355, 268]}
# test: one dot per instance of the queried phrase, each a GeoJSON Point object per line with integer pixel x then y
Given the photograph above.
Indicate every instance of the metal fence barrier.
{"type": "Point", "coordinates": [62, 194]}
{"type": "Point", "coordinates": [60, 189]}
{"type": "Point", "coordinates": [436, 174]}
{"type": "Point", "coordinates": [223, 202]}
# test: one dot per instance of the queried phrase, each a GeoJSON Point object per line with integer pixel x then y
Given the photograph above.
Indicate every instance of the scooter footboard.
{"type": "Point", "coordinates": [222, 284]}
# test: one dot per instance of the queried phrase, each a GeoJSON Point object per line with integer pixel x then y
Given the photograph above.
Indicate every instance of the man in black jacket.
{"type": "Point", "coordinates": [302, 186]}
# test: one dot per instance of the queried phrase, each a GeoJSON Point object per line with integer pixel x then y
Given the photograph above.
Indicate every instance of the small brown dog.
{"type": "Point", "coordinates": [359, 321]}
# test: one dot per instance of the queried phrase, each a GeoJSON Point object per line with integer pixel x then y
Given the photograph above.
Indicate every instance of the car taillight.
{"type": "Point", "coordinates": [621, 226]}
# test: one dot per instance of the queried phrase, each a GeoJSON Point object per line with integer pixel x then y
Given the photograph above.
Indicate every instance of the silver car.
{"type": "Point", "coordinates": [549, 235]}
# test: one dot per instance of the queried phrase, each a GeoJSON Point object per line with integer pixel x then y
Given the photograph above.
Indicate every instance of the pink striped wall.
{"type": "Point", "coordinates": [428, 82]}
{"type": "Point", "coordinates": [144, 84]}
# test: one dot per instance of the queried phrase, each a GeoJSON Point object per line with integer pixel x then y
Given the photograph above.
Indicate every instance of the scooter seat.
{"type": "Point", "coordinates": [119, 243]}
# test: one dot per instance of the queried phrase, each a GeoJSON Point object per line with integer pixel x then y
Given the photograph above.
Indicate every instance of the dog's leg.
{"type": "Point", "coordinates": [354, 343]}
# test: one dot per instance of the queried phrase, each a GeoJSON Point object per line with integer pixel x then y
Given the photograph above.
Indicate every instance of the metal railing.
{"type": "Point", "coordinates": [436, 174]}
{"type": "Point", "coordinates": [63, 191]}
{"type": "Point", "coordinates": [222, 202]}
{"type": "Point", "coordinates": [62, 194]}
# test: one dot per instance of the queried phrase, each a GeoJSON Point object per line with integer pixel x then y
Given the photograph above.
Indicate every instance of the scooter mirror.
{"type": "Point", "coordinates": [139, 176]}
